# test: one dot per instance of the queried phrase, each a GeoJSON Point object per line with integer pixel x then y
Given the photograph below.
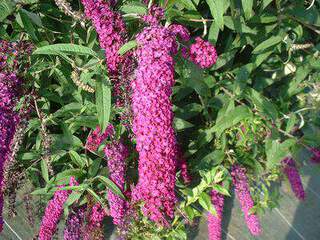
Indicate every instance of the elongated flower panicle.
{"type": "Point", "coordinates": [242, 190]}
{"type": "Point", "coordinates": [110, 28]}
{"type": "Point", "coordinates": [95, 139]}
{"type": "Point", "coordinates": [315, 155]}
{"type": "Point", "coordinates": [291, 171]}
{"type": "Point", "coordinates": [9, 85]}
{"type": "Point", "coordinates": [117, 152]}
{"type": "Point", "coordinates": [214, 222]}
{"type": "Point", "coordinates": [112, 35]}
{"type": "Point", "coordinates": [74, 224]}
{"type": "Point", "coordinates": [53, 213]}
{"type": "Point", "coordinates": [93, 229]}
{"type": "Point", "coordinates": [202, 53]}
{"type": "Point", "coordinates": [153, 122]}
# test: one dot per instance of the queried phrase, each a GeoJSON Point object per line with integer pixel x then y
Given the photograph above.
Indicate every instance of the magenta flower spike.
{"type": "Point", "coordinates": [53, 212]}
{"type": "Point", "coordinates": [9, 93]}
{"type": "Point", "coordinates": [93, 228]}
{"type": "Point", "coordinates": [117, 153]}
{"type": "Point", "coordinates": [291, 171]}
{"type": "Point", "coordinates": [242, 190]}
{"type": "Point", "coordinates": [215, 222]}
{"type": "Point", "coordinates": [153, 122]}
{"type": "Point", "coordinates": [73, 227]}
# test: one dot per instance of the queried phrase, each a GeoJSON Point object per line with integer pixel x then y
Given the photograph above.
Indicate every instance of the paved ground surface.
{"type": "Point", "coordinates": [293, 220]}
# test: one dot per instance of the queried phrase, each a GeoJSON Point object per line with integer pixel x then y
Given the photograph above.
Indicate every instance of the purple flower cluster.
{"type": "Point", "coordinates": [180, 31]}
{"type": "Point", "coordinates": [214, 222]}
{"type": "Point", "coordinates": [117, 152]}
{"type": "Point", "coordinates": [95, 139]}
{"type": "Point", "coordinates": [153, 122]}
{"type": "Point", "coordinates": [74, 224]}
{"type": "Point", "coordinates": [202, 53]}
{"type": "Point", "coordinates": [93, 229]}
{"type": "Point", "coordinates": [242, 190]}
{"type": "Point", "coordinates": [112, 35]}
{"type": "Point", "coordinates": [315, 155]}
{"type": "Point", "coordinates": [291, 171]}
{"type": "Point", "coordinates": [156, 13]}
{"type": "Point", "coordinates": [9, 85]}
{"type": "Point", "coordinates": [110, 28]}
{"type": "Point", "coordinates": [53, 212]}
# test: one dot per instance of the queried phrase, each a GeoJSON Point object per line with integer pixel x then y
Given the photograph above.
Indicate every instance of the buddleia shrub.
{"type": "Point", "coordinates": [155, 112]}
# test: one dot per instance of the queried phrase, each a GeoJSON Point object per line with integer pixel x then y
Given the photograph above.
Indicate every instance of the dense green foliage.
{"type": "Point", "coordinates": [258, 104]}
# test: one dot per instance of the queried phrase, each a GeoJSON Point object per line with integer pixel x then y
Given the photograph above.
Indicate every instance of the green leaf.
{"type": "Point", "coordinates": [134, 7]}
{"type": "Point", "coordinates": [180, 124]}
{"type": "Point", "coordinates": [188, 4]}
{"type": "Point", "coordinates": [270, 42]}
{"type": "Point", "coordinates": [66, 48]}
{"type": "Point", "coordinates": [188, 111]}
{"type": "Point", "coordinates": [291, 122]}
{"type": "Point", "coordinates": [231, 118]}
{"type": "Point", "coordinates": [77, 159]}
{"type": "Point", "coordinates": [65, 175]}
{"type": "Point", "coordinates": [103, 103]}
{"type": "Point", "coordinates": [223, 59]}
{"type": "Point", "coordinates": [221, 190]}
{"type": "Point", "coordinates": [217, 8]}
{"type": "Point", "coordinates": [247, 8]}
{"type": "Point", "coordinates": [242, 77]}
{"type": "Point", "coordinates": [40, 191]}
{"type": "Point", "coordinates": [111, 185]}
{"type": "Point", "coordinates": [6, 8]}
{"type": "Point", "coordinates": [95, 166]}
{"type": "Point", "coordinates": [127, 47]}
{"type": "Point", "coordinates": [238, 25]}
{"type": "Point", "coordinates": [205, 202]}
{"type": "Point", "coordinates": [44, 170]}
{"type": "Point", "coordinates": [96, 196]}
{"type": "Point", "coordinates": [73, 197]}
{"type": "Point", "coordinates": [262, 104]}
{"type": "Point", "coordinates": [277, 151]}
{"type": "Point", "coordinates": [27, 25]}
{"type": "Point", "coordinates": [214, 158]}
{"type": "Point", "coordinates": [213, 33]}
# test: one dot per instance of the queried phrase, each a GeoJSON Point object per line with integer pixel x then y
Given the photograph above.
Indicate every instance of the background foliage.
{"type": "Point", "coordinates": [258, 104]}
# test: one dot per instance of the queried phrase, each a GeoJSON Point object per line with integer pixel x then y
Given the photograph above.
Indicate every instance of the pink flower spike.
{"type": "Point", "coordinates": [153, 123]}
{"type": "Point", "coordinates": [291, 171]}
{"type": "Point", "coordinates": [242, 190]}
{"type": "Point", "coordinates": [53, 212]}
{"type": "Point", "coordinates": [215, 222]}
{"type": "Point", "coordinates": [116, 154]}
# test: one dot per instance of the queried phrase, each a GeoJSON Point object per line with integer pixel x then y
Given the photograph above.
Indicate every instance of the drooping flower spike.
{"type": "Point", "coordinates": [153, 122]}
{"type": "Point", "coordinates": [240, 182]}
{"type": "Point", "coordinates": [9, 119]}
{"type": "Point", "coordinates": [291, 171]}
{"type": "Point", "coordinates": [215, 221]}
{"type": "Point", "coordinates": [73, 227]}
{"type": "Point", "coordinates": [117, 153]}
{"type": "Point", "coordinates": [53, 212]}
